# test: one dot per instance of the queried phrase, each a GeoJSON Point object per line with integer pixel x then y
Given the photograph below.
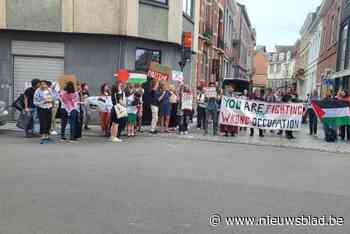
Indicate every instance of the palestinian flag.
{"type": "Point", "coordinates": [332, 112]}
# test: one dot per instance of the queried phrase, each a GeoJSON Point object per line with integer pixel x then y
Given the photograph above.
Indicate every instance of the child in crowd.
{"type": "Point", "coordinates": [131, 107]}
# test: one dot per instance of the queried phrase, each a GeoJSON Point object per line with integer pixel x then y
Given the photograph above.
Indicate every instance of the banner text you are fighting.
{"type": "Point", "coordinates": [239, 112]}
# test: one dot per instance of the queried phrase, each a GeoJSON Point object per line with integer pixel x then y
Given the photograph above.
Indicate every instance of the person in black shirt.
{"type": "Point", "coordinates": [287, 98]}
{"type": "Point", "coordinates": [29, 107]}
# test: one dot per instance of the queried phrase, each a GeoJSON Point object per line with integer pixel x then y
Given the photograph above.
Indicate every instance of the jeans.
{"type": "Point", "coordinates": [200, 117]}
{"type": "Point", "coordinates": [70, 118]}
{"type": "Point", "coordinates": [213, 114]}
{"type": "Point", "coordinates": [155, 110]}
{"type": "Point", "coordinates": [312, 122]}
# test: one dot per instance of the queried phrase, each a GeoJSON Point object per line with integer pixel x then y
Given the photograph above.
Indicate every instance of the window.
{"type": "Point", "coordinates": [334, 30]}
{"type": "Point", "coordinates": [163, 2]}
{"type": "Point", "coordinates": [188, 7]}
{"type": "Point", "coordinates": [144, 57]}
{"type": "Point", "coordinates": [343, 46]}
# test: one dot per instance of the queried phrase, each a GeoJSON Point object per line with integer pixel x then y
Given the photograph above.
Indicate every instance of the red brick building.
{"type": "Point", "coordinates": [211, 41]}
{"type": "Point", "coordinates": [330, 12]}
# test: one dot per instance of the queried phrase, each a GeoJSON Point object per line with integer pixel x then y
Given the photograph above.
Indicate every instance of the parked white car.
{"type": "Point", "coordinates": [4, 114]}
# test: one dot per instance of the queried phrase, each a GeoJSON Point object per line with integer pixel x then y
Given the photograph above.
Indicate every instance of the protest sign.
{"type": "Point", "coordinates": [64, 79]}
{"type": "Point", "coordinates": [210, 92]}
{"type": "Point", "coordinates": [159, 72]}
{"type": "Point", "coordinates": [187, 99]}
{"type": "Point", "coordinates": [263, 115]}
{"type": "Point", "coordinates": [178, 76]}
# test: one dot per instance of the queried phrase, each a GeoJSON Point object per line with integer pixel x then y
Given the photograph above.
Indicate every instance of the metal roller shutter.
{"type": "Point", "coordinates": [28, 68]}
{"type": "Point", "coordinates": [36, 60]}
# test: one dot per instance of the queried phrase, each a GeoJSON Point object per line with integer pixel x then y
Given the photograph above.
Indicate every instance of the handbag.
{"type": "Point", "coordinates": [23, 120]}
{"type": "Point", "coordinates": [120, 110]}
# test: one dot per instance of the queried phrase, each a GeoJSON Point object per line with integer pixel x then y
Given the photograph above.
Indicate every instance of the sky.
{"type": "Point", "coordinates": [278, 22]}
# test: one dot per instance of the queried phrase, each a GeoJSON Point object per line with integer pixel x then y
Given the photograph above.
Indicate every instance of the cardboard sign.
{"type": "Point", "coordinates": [187, 99]}
{"type": "Point", "coordinates": [178, 76]}
{"type": "Point", "coordinates": [159, 72]}
{"type": "Point", "coordinates": [64, 79]}
{"type": "Point", "coordinates": [210, 92]}
{"type": "Point", "coordinates": [263, 115]}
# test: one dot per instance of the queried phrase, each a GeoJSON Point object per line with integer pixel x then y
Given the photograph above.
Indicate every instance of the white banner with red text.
{"type": "Point", "coordinates": [258, 114]}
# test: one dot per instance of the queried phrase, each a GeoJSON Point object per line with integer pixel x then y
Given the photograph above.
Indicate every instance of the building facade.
{"type": "Point", "coordinates": [91, 39]}
{"type": "Point", "coordinates": [343, 59]}
{"type": "Point", "coordinates": [330, 13]}
{"type": "Point", "coordinates": [261, 64]}
{"type": "Point", "coordinates": [281, 68]}
{"type": "Point", "coordinates": [226, 42]}
{"type": "Point", "coordinates": [211, 46]}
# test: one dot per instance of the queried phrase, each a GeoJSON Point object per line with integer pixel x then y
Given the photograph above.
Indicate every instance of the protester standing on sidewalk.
{"type": "Point", "coordinates": [312, 115]}
{"type": "Point", "coordinates": [105, 112]}
{"type": "Point", "coordinates": [139, 93]}
{"type": "Point", "coordinates": [69, 111]}
{"type": "Point", "coordinates": [87, 115]}
{"type": "Point", "coordinates": [55, 107]}
{"type": "Point", "coordinates": [256, 96]}
{"type": "Point", "coordinates": [288, 98]}
{"type": "Point", "coordinates": [211, 112]}
{"type": "Point", "coordinates": [118, 121]}
{"type": "Point", "coordinates": [164, 109]}
{"type": "Point", "coordinates": [229, 129]}
{"type": "Point", "coordinates": [154, 99]}
{"type": "Point", "coordinates": [344, 129]}
{"type": "Point", "coordinates": [201, 107]}
{"type": "Point", "coordinates": [184, 111]}
{"type": "Point", "coordinates": [174, 99]}
{"type": "Point", "coordinates": [30, 108]}
{"type": "Point", "coordinates": [43, 100]}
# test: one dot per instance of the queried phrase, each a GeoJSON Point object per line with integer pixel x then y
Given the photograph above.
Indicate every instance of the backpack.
{"type": "Point", "coordinates": [18, 104]}
{"type": "Point", "coordinates": [331, 134]}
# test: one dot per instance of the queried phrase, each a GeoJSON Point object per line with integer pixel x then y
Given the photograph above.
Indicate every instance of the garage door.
{"type": "Point", "coordinates": [36, 60]}
{"type": "Point", "coordinates": [27, 68]}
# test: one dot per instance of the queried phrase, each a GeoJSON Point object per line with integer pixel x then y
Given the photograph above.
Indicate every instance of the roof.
{"type": "Point", "coordinates": [245, 13]}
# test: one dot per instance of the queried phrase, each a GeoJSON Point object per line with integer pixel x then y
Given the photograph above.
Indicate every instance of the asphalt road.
{"type": "Point", "coordinates": [166, 186]}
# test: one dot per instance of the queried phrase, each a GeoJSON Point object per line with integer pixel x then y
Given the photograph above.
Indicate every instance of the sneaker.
{"type": "Point", "coordinates": [186, 133]}
{"type": "Point", "coordinates": [154, 132]}
{"type": "Point", "coordinates": [116, 140]}
{"type": "Point", "coordinates": [182, 133]}
{"type": "Point", "coordinates": [53, 133]}
{"type": "Point", "coordinates": [315, 135]}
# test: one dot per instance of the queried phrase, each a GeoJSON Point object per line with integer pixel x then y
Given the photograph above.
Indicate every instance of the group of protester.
{"type": "Point", "coordinates": [209, 108]}
{"type": "Point", "coordinates": [44, 102]}
{"type": "Point", "coordinates": [126, 107]}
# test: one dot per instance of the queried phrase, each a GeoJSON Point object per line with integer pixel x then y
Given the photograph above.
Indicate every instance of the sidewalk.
{"type": "Point", "coordinates": [302, 141]}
